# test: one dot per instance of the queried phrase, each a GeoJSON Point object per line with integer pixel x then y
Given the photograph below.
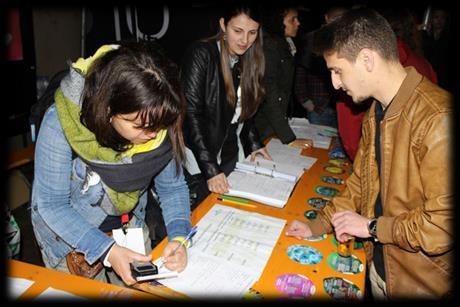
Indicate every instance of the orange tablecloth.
{"type": "Point", "coordinates": [279, 262]}
{"type": "Point", "coordinates": [44, 278]}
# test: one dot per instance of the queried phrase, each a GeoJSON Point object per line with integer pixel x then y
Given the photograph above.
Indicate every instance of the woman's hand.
{"type": "Point", "coordinates": [178, 261]}
{"type": "Point", "coordinates": [301, 143]}
{"type": "Point", "coordinates": [120, 258]}
{"type": "Point", "coordinates": [218, 184]}
{"type": "Point", "coordinates": [261, 151]}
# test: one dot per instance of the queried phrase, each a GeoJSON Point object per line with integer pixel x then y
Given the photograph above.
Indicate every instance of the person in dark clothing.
{"type": "Point", "coordinates": [222, 83]}
{"type": "Point", "coordinates": [311, 86]}
{"type": "Point", "coordinates": [438, 46]}
{"type": "Point", "coordinates": [280, 27]}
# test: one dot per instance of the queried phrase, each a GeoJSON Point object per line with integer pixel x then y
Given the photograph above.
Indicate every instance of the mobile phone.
{"type": "Point", "coordinates": [142, 271]}
{"type": "Point", "coordinates": [143, 268]}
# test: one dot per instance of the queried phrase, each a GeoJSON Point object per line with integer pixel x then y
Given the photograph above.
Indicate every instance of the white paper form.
{"type": "Point", "coordinates": [210, 277]}
{"type": "Point", "coordinates": [52, 293]}
{"type": "Point", "coordinates": [17, 286]}
{"type": "Point", "coordinates": [281, 153]}
{"type": "Point", "coordinates": [321, 135]}
{"type": "Point", "coordinates": [229, 253]}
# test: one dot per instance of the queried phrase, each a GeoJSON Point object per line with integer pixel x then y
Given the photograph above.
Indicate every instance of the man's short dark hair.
{"type": "Point", "coordinates": [355, 30]}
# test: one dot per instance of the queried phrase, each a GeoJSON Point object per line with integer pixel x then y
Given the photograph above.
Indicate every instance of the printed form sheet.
{"type": "Point", "coordinates": [281, 153]}
{"type": "Point", "coordinates": [321, 135]}
{"type": "Point", "coordinates": [229, 253]}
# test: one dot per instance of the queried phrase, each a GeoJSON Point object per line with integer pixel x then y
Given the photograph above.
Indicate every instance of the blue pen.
{"type": "Point", "coordinates": [187, 238]}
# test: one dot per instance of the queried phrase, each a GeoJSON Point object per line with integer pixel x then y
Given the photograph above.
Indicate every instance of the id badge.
{"type": "Point", "coordinates": [133, 239]}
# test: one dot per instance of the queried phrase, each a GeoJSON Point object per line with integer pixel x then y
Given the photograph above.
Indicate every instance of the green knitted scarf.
{"type": "Point", "coordinates": [84, 143]}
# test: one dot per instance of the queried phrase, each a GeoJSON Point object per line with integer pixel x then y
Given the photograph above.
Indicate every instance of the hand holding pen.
{"type": "Point", "coordinates": [176, 259]}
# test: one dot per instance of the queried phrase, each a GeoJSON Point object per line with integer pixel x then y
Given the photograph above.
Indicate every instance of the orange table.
{"type": "Point", "coordinates": [44, 278]}
{"type": "Point", "coordinates": [279, 263]}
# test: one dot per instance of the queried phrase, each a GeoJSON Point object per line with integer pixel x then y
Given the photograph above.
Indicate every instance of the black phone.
{"type": "Point", "coordinates": [141, 268]}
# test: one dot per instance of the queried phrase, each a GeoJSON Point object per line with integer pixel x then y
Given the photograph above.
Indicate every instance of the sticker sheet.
{"type": "Point", "coordinates": [326, 191]}
{"type": "Point", "coordinates": [346, 265]}
{"type": "Point", "coordinates": [295, 285]}
{"type": "Point", "coordinates": [334, 169]}
{"type": "Point", "coordinates": [316, 239]}
{"type": "Point", "coordinates": [311, 214]}
{"type": "Point", "coordinates": [338, 162]}
{"type": "Point", "coordinates": [332, 180]}
{"type": "Point", "coordinates": [341, 289]}
{"type": "Point", "coordinates": [304, 254]}
{"type": "Point", "coordinates": [318, 202]}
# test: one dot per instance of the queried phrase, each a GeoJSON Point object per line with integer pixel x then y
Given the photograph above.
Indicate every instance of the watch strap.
{"type": "Point", "coordinates": [372, 227]}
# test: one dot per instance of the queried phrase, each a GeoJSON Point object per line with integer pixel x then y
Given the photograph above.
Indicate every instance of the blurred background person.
{"type": "Point", "coordinates": [312, 88]}
{"type": "Point", "coordinates": [438, 46]}
{"type": "Point", "coordinates": [280, 25]}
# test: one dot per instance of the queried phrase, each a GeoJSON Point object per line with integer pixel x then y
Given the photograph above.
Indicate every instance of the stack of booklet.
{"type": "Point", "coordinates": [270, 182]}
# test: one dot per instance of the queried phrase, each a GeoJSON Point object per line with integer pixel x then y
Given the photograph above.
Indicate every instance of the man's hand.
{"type": "Point", "coordinates": [298, 229]}
{"type": "Point", "coordinates": [302, 143]}
{"type": "Point", "coordinates": [349, 223]}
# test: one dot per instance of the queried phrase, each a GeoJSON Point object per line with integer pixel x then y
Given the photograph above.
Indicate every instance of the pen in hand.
{"type": "Point", "coordinates": [187, 238]}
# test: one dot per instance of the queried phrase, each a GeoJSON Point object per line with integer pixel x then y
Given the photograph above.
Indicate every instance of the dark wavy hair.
{"type": "Point", "coordinates": [136, 77]}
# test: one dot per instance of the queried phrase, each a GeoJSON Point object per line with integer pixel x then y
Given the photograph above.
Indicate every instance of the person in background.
{"type": "Point", "coordinates": [399, 197]}
{"type": "Point", "coordinates": [222, 81]}
{"type": "Point", "coordinates": [312, 88]}
{"type": "Point", "coordinates": [349, 115]}
{"type": "Point", "coordinates": [12, 243]}
{"type": "Point", "coordinates": [403, 24]}
{"type": "Point", "coordinates": [438, 46]}
{"type": "Point", "coordinates": [115, 125]}
{"type": "Point", "coordinates": [280, 26]}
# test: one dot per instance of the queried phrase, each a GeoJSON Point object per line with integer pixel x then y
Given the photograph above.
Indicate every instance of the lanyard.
{"type": "Point", "coordinates": [124, 222]}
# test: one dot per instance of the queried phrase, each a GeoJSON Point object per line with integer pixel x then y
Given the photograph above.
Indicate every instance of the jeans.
{"type": "Point", "coordinates": [107, 275]}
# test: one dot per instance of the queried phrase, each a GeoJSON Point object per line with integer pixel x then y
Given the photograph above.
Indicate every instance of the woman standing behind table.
{"type": "Point", "coordinates": [222, 81]}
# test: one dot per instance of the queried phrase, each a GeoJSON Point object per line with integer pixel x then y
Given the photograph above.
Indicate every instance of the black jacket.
{"type": "Point", "coordinates": [272, 116]}
{"type": "Point", "coordinates": [208, 113]}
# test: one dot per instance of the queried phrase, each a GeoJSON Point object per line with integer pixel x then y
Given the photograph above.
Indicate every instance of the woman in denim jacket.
{"type": "Point", "coordinates": [115, 126]}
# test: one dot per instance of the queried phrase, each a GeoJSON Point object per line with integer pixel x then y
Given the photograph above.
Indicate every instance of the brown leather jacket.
{"type": "Point", "coordinates": [417, 199]}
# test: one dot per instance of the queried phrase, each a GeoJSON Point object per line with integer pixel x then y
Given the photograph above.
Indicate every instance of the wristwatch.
{"type": "Point", "coordinates": [372, 227]}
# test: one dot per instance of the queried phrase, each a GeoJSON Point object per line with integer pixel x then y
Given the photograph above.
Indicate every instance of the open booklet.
{"type": "Point", "coordinates": [269, 182]}
{"type": "Point", "coordinates": [271, 169]}
{"type": "Point", "coordinates": [264, 189]}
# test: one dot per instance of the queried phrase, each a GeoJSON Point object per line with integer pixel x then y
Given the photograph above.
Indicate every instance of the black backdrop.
{"type": "Point", "coordinates": [187, 22]}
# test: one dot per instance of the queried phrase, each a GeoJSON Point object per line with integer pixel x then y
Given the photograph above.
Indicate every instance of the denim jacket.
{"type": "Point", "coordinates": [65, 205]}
